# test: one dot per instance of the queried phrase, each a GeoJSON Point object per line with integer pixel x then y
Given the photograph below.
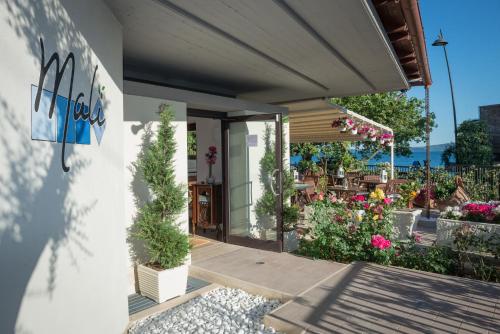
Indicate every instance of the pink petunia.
{"type": "Point", "coordinates": [387, 200]}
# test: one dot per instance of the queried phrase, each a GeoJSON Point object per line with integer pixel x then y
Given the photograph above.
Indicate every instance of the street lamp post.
{"type": "Point", "coordinates": [440, 41]}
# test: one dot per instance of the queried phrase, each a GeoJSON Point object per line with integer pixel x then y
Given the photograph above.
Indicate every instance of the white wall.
{"type": "Point", "coordinates": [141, 112]}
{"type": "Point", "coordinates": [62, 235]}
{"type": "Point", "coordinates": [208, 133]}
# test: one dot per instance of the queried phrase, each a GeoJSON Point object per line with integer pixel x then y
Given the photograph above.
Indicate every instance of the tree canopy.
{"type": "Point", "coordinates": [473, 143]}
{"type": "Point", "coordinates": [405, 115]}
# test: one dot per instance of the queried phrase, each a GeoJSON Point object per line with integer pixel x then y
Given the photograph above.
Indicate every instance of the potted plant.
{"type": "Point", "coordinates": [211, 158]}
{"type": "Point", "coordinates": [164, 276]}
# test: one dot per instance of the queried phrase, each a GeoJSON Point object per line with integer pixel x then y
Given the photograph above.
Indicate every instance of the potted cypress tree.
{"type": "Point", "coordinates": [165, 275]}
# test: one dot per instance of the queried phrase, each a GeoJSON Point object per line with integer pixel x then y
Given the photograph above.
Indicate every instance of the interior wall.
{"type": "Point", "coordinates": [141, 120]}
{"type": "Point", "coordinates": [62, 235]}
{"type": "Point", "coordinates": [208, 133]}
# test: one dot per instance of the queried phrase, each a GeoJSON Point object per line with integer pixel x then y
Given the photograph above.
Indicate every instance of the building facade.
{"type": "Point", "coordinates": [82, 82]}
{"type": "Point", "coordinates": [490, 114]}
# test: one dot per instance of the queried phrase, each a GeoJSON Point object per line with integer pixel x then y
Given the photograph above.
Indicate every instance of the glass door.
{"type": "Point", "coordinates": [254, 166]}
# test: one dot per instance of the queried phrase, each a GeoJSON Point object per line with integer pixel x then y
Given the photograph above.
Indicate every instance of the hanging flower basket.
{"type": "Point", "coordinates": [350, 124]}
{"type": "Point", "coordinates": [387, 139]}
{"type": "Point", "coordinates": [363, 131]}
{"type": "Point", "coordinates": [344, 124]}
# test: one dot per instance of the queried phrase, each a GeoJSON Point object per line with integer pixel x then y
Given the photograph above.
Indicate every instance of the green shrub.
{"type": "Point", "coordinates": [166, 244]}
{"type": "Point", "coordinates": [343, 233]}
{"type": "Point", "coordinates": [441, 260]}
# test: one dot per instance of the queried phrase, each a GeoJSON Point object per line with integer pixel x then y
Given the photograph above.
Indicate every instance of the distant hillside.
{"type": "Point", "coordinates": [434, 148]}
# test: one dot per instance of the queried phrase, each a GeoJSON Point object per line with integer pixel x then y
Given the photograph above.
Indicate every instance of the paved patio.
{"type": "Point", "coordinates": [328, 297]}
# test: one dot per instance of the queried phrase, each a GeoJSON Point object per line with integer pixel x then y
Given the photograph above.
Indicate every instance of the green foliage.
{"type": "Point", "coordinates": [470, 241]}
{"type": "Point", "coordinates": [442, 181]}
{"type": "Point", "coordinates": [290, 217]}
{"type": "Point", "coordinates": [191, 141]}
{"type": "Point", "coordinates": [473, 145]}
{"type": "Point", "coordinates": [266, 204]}
{"type": "Point", "coordinates": [405, 115]}
{"type": "Point", "coordinates": [482, 187]}
{"type": "Point", "coordinates": [331, 155]}
{"type": "Point", "coordinates": [434, 259]}
{"type": "Point", "coordinates": [167, 245]}
{"type": "Point", "coordinates": [408, 192]}
{"type": "Point", "coordinates": [444, 184]}
{"type": "Point", "coordinates": [306, 151]}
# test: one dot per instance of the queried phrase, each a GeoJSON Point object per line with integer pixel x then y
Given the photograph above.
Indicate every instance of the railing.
{"type": "Point", "coordinates": [488, 175]}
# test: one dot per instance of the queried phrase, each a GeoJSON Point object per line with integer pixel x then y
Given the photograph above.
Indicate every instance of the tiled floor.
{"type": "Point", "coordinates": [329, 297]}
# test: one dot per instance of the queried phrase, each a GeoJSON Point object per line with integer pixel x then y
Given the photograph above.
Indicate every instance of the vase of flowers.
{"type": "Point", "coordinates": [211, 158]}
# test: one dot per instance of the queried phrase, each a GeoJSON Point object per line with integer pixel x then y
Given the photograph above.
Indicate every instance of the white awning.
{"type": "Point", "coordinates": [311, 121]}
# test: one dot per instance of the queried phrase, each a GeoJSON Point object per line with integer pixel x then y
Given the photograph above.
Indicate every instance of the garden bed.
{"type": "Point", "coordinates": [447, 227]}
{"type": "Point", "coordinates": [222, 310]}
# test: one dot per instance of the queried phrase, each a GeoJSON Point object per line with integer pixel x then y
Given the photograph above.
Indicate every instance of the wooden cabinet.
{"type": "Point", "coordinates": [206, 208]}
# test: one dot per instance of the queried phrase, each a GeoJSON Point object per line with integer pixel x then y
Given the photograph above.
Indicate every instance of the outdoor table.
{"type": "Point", "coordinates": [344, 192]}
{"type": "Point", "coordinates": [371, 184]}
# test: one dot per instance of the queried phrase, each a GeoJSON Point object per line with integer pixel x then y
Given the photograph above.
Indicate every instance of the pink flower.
{"type": "Point", "coordinates": [366, 206]}
{"type": "Point", "coordinates": [321, 196]}
{"type": "Point", "coordinates": [387, 200]}
{"type": "Point", "coordinates": [380, 242]}
{"type": "Point", "coordinates": [417, 237]}
{"type": "Point", "coordinates": [332, 198]}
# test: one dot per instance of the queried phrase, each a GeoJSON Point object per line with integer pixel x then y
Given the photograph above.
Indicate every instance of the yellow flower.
{"type": "Point", "coordinates": [377, 194]}
{"type": "Point", "coordinates": [375, 217]}
{"type": "Point", "coordinates": [413, 194]}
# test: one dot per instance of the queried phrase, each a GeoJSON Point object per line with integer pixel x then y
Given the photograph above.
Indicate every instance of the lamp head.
{"type": "Point", "coordinates": [440, 41]}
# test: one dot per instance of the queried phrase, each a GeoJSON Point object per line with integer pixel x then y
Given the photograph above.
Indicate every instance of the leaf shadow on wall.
{"type": "Point", "coordinates": [38, 214]}
{"type": "Point", "coordinates": [142, 195]}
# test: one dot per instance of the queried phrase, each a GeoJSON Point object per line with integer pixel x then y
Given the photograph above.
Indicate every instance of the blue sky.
{"type": "Point", "coordinates": [472, 29]}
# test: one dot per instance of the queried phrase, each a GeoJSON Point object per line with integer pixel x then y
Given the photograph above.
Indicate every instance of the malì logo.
{"type": "Point", "coordinates": [63, 119]}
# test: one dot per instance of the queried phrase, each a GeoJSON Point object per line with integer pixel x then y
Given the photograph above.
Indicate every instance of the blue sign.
{"type": "Point", "coordinates": [63, 119]}
{"type": "Point", "coordinates": [48, 128]}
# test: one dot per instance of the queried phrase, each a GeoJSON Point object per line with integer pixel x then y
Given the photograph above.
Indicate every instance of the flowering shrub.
{"type": "Point", "coordinates": [475, 211]}
{"type": "Point", "coordinates": [358, 229]}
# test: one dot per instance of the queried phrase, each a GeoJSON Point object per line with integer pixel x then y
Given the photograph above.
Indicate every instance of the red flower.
{"type": "Point", "coordinates": [358, 198]}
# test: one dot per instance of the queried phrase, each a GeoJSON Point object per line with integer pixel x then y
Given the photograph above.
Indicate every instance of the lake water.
{"type": "Point", "coordinates": [417, 155]}
{"type": "Point", "coordinates": [408, 161]}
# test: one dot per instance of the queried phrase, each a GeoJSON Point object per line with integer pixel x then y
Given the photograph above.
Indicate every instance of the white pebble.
{"type": "Point", "coordinates": [220, 311]}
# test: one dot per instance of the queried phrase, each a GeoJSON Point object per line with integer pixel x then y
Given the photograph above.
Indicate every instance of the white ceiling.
{"type": "Point", "coordinates": [263, 50]}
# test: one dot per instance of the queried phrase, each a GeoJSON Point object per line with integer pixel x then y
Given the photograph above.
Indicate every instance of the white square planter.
{"type": "Point", "coordinates": [162, 285]}
{"type": "Point", "coordinates": [446, 227]}
{"type": "Point", "coordinates": [404, 221]}
{"type": "Point", "coordinates": [290, 241]}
